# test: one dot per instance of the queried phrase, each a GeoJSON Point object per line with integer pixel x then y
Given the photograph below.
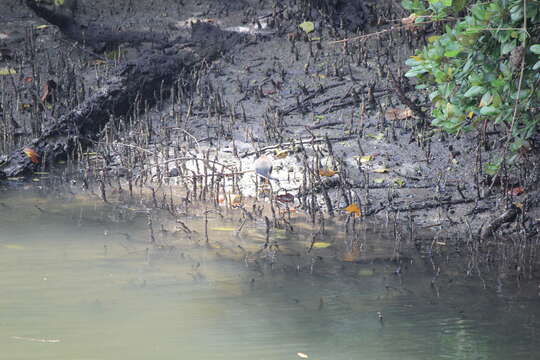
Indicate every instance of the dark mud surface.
{"type": "Point", "coordinates": [325, 112]}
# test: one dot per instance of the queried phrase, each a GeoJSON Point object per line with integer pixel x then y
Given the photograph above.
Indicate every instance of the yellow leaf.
{"type": "Point", "coordinates": [44, 26]}
{"type": "Point", "coordinates": [302, 355]}
{"type": "Point", "coordinates": [224, 228]}
{"type": "Point", "coordinates": [321, 245]}
{"type": "Point", "coordinates": [471, 114]}
{"type": "Point", "coordinates": [327, 173]}
{"type": "Point", "coordinates": [14, 247]}
{"type": "Point", "coordinates": [417, 58]}
{"type": "Point", "coordinates": [307, 26]}
{"type": "Point", "coordinates": [380, 170]}
{"type": "Point", "coordinates": [519, 205]}
{"type": "Point", "coordinates": [433, 38]}
{"type": "Point", "coordinates": [378, 180]}
{"type": "Point", "coordinates": [399, 182]}
{"type": "Point", "coordinates": [366, 272]}
{"type": "Point", "coordinates": [378, 136]}
{"type": "Point", "coordinates": [280, 154]}
{"type": "Point", "coordinates": [366, 158]}
{"type": "Point", "coordinates": [353, 209]}
{"type": "Point", "coordinates": [7, 71]}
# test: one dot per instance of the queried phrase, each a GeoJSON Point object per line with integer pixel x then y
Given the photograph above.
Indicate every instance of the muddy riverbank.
{"type": "Point", "coordinates": [335, 118]}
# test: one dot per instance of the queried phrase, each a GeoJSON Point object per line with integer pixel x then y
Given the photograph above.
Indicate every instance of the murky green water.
{"type": "Point", "coordinates": [77, 283]}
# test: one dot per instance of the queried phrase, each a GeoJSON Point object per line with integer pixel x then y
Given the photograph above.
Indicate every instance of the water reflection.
{"type": "Point", "coordinates": [80, 283]}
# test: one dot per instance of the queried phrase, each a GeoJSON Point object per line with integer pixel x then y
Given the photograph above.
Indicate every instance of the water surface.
{"type": "Point", "coordinates": [79, 281]}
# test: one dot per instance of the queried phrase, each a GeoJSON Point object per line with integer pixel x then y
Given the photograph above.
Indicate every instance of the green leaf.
{"type": "Point", "coordinates": [492, 168]}
{"type": "Point", "coordinates": [522, 94]}
{"type": "Point", "coordinates": [415, 71]}
{"type": "Point", "coordinates": [536, 49]}
{"type": "Point", "coordinates": [433, 95]}
{"type": "Point", "coordinates": [474, 91]}
{"type": "Point", "coordinates": [506, 48]}
{"type": "Point", "coordinates": [407, 4]}
{"type": "Point", "coordinates": [536, 66]}
{"type": "Point", "coordinates": [307, 26]}
{"type": "Point", "coordinates": [516, 14]}
{"type": "Point", "coordinates": [489, 110]}
{"type": "Point", "coordinates": [452, 53]}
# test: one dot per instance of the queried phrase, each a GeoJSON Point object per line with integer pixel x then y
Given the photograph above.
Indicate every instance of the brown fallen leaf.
{"type": "Point", "coordinates": [409, 19]}
{"type": "Point", "coordinates": [285, 198]}
{"type": "Point", "coordinates": [351, 255]}
{"type": "Point", "coordinates": [398, 113]}
{"type": "Point", "coordinates": [48, 90]}
{"type": "Point", "coordinates": [281, 154]}
{"type": "Point", "coordinates": [516, 191]}
{"type": "Point", "coordinates": [327, 172]}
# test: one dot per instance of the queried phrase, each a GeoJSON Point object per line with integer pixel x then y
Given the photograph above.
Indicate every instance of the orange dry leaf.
{"type": "Point", "coordinates": [328, 172]}
{"type": "Point", "coordinates": [352, 255]}
{"type": "Point", "coordinates": [516, 191]}
{"type": "Point", "coordinates": [236, 201]}
{"type": "Point", "coordinates": [31, 153]}
{"type": "Point", "coordinates": [98, 62]}
{"type": "Point", "coordinates": [289, 210]}
{"type": "Point", "coordinates": [353, 209]}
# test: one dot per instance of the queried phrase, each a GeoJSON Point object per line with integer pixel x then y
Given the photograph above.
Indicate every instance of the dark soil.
{"type": "Point", "coordinates": [312, 102]}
